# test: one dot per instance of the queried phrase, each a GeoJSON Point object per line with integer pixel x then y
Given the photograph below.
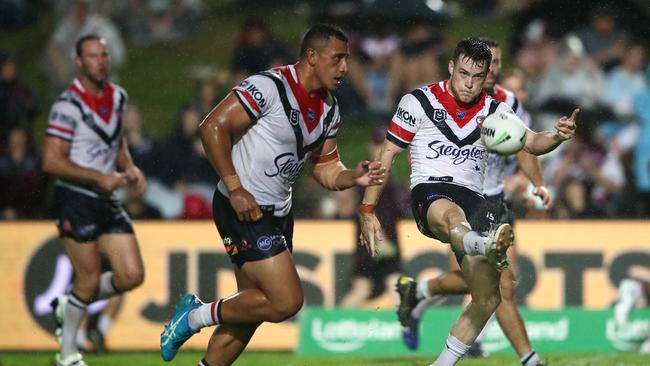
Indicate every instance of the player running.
{"type": "Point", "coordinates": [258, 139]}
{"type": "Point", "coordinates": [440, 122]}
{"type": "Point", "coordinates": [86, 151]}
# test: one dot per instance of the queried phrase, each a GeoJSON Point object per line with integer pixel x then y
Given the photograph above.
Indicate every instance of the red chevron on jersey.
{"type": "Point", "coordinates": [102, 105]}
{"type": "Point", "coordinates": [311, 108]}
{"type": "Point", "coordinates": [461, 113]}
{"type": "Point", "coordinates": [499, 93]}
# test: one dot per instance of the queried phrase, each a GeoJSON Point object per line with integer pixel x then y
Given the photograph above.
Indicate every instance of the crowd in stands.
{"type": "Point", "coordinates": [599, 64]}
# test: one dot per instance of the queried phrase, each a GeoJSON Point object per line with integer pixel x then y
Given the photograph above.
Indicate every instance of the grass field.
{"type": "Point", "coordinates": [289, 359]}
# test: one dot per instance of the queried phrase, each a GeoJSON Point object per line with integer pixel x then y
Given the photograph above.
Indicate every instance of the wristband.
{"type": "Point", "coordinates": [367, 208]}
{"type": "Point", "coordinates": [231, 182]}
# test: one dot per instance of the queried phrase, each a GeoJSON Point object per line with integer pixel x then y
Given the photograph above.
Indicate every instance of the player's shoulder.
{"type": "Point", "coordinates": [505, 96]}
{"type": "Point", "coordinates": [120, 90]}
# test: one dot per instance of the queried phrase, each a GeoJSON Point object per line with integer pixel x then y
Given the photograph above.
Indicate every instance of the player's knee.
{"type": "Point", "coordinates": [86, 281]}
{"type": "Point", "coordinates": [130, 279]}
{"type": "Point", "coordinates": [488, 303]}
{"type": "Point", "coordinates": [286, 309]}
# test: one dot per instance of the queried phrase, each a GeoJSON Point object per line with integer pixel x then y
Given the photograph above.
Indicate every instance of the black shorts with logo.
{"type": "Point", "coordinates": [472, 203]}
{"type": "Point", "coordinates": [500, 208]}
{"type": "Point", "coordinates": [251, 241]}
{"type": "Point", "coordinates": [85, 218]}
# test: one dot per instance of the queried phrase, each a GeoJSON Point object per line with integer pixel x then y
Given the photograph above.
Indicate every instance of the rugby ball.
{"type": "Point", "coordinates": [503, 133]}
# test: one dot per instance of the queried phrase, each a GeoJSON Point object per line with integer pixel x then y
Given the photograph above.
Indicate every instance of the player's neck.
{"type": "Point", "coordinates": [92, 87]}
{"type": "Point", "coordinates": [307, 79]}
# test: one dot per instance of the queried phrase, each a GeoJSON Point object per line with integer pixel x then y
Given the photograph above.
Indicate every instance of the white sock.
{"type": "Point", "coordinates": [205, 315]}
{"type": "Point", "coordinates": [451, 353]}
{"type": "Point", "coordinates": [530, 359]}
{"type": "Point", "coordinates": [630, 291]}
{"type": "Point", "coordinates": [74, 311]}
{"type": "Point", "coordinates": [81, 338]}
{"type": "Point", "coordinates": [422, 290]}
{"type": "Point", "coordinates": [474, 243]}
{"type": "Point", "coordinates": [106, 286]}
{"type": "Point", "coordinates": [481, 335]}
{"type": "Point", "coordinates": [104, 323]}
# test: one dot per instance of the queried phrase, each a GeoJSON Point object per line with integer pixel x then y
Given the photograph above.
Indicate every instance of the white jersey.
{"type": "Point", "coordinates": [500, 166]}
{"type": "Point", "coordinates": [288, 125]}
{"type": "Point", "coordinates": [444, 136]}
{"type": "Point", "coordinates": [92, 125]}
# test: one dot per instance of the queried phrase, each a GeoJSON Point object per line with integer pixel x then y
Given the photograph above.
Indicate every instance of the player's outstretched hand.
{"type": "Point", "coordinates": [369, 173]}
{"type": "Point", "coordinates": [135, 177]}
{"type": "Point", "coordinates": [566, 126]}
{"type": "Point", "coordinates": [543, 193]}
{"type": "Point", "coordinates": [371, 233]}
{"type": "Point", "coordinates": [245, 205]}
{"type": "Point", "coordinates": [111, 181]}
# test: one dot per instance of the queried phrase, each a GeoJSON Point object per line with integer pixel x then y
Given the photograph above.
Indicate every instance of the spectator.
{"type": "Point", "coordinates": [603, 39]}
{"type": "Point", "coordinates": [141, 143]}
{"type": "Point", "coordinates": [79, 21]}
{"type": "Point", "coordinates": [137, 208]}
{"type": "Point", "coordinates": [625, 81]}
{"type": "Point", "coordinates": [594, 165]}
{"type": "Point", "coordinates": [572, 78]}
{"type": "Point", "coordinates": [419, 51]}
{"type": "Point", "coordinates": [23, 183]}
{"type": "Point", "coordinates": [371, 276]}
{"type": "Point", "coordinates": [641, 165]}
{"type": "Point", "coordinates": [17, 100]}
{"type": "Point", "coordinates": [156, 21]}
{"type": "Point", "coordinates": [257, 50]}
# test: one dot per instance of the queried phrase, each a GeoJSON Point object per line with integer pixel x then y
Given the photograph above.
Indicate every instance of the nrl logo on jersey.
{"type": "Point", "coordinates": [439, 115]}
{"type": "Point", "coordinates": [294, 117]}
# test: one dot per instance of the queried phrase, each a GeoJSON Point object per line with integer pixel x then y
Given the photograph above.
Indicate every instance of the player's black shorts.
{"type": "Point", "coordinates": [472, 203]}
{"type": "Point", "coordinates": [251, 241]}
{"type": "Point", "coordinates": [500, 208]}
{"type": "Point", "coordinates": [85, 218]}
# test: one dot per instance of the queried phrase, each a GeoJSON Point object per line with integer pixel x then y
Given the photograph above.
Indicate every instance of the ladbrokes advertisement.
{"type": "Point", "coordinates": [561, 264]}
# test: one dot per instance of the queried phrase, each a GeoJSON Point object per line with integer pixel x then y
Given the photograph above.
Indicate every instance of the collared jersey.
{"type": "Point", "coordinates": [444, 135]}
{"type": "Point", "coordinates": [288, 125]}
{"type": "Point", "coordinates": [92, 125]}
{"type": "Point", "coordinates": [499, 166]}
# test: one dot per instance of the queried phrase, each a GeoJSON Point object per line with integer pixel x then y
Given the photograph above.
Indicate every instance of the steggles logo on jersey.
{"type": "Point", "coordinates": [405, 116]}
{"type": "Point", "coordinates": [458, 155]}
{"type": "Point", "coordinates": [286, 166]}
{"type": "Point", "coordinates": [96, 151]}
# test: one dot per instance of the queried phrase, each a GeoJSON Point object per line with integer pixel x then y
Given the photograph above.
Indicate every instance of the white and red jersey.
{"type": "Point", "coordinates": [444, 135]}
{"type": "Point", "coordinates": [499, 166]}
{"type": "Point", "coordinates": [92, 124]}
{"type": "Point", "coordinates": [288, 124]}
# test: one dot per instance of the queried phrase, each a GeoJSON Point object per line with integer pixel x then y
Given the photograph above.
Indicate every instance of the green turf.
{"type": "Point", "coordinates": [286, 359]}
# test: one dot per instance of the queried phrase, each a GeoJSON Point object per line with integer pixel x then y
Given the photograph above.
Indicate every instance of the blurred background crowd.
{"type": "Point", "coordinates": [178, 58]}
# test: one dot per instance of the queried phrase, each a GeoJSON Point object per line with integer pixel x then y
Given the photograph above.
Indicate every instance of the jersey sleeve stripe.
{"type": "Point", "coordinates": [321, 159]}
{"type": "Point", "coordinates": [60, 129]}
{"type": "Point", "coordinates": [60, 135]}
{"type": "Point", "coordinates": [251, 101]}
{"type": "Point", "coordinates": [399, 132]}
{"type": "Point", "coordinates": [248, 110]}
{"type": "Point", "coordinates": [390, 137]}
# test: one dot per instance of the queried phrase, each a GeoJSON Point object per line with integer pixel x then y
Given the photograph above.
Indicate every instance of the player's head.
{"type": "Point", "coordinates": [92, 58]}
{"type": "Point", "coordinates": [495, 64]}
{"type": "Point", "coordinates": [325, 49]}
{"type": "Point", "coordinates": [468, 68]}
